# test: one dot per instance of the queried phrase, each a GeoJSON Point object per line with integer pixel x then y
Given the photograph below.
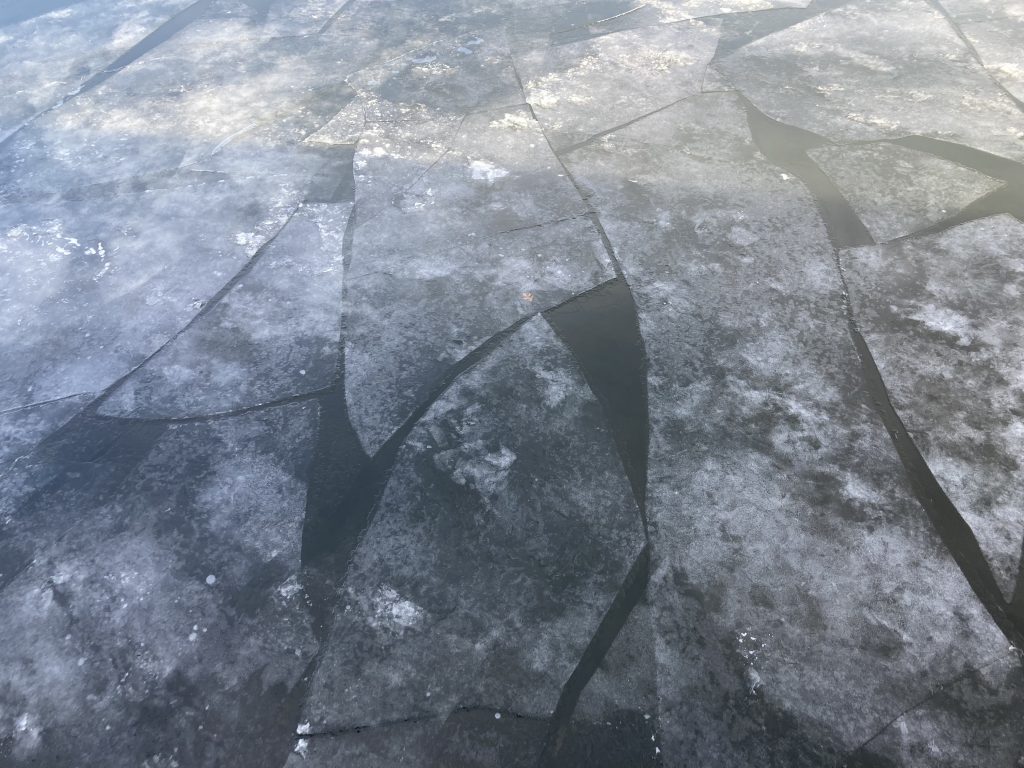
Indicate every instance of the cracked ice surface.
{"type": "Point", "coordinates": [462, 559]}
{"type": "Point", "coordinates": [756, 377]}
{"type": "Point", "coordinates": [492, 383]}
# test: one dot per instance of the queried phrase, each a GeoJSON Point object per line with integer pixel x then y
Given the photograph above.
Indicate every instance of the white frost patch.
{"type": "Point", "coordinates": [289, 588]}
{"type": "Point", "coordinates": [474, 466]}
{"type": "Point", "coordinates": [481, 170]}
{"type": "Point", "coordinates": [557, 385]}
{"type": "Point", "coordinates": [856, 490]}
{"type": "Point", "coordinates": [303, 729]}
{"type": "Point", "coordinates": [26, 733]}
{"type": "Point", "coordinates": [947, 322]}
{"type": "Point", "coordinates": [392, 611]}
{"type": "Point", "coordinates": [513, 122]}
{"type": "Point", "coordinates": [741, 236]}
{"type": "Point", "coordinates": [750, 647]}
{"type": "Point", "coordinates": [302, 747]}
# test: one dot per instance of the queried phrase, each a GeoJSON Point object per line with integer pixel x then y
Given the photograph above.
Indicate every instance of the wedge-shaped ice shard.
{"type": "Point", "coordinates": [945, 322]}
{"type": "Point", "coordinates": [897, 191]}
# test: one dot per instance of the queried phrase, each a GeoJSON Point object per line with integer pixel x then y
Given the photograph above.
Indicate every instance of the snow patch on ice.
{"type": "Point", "coordinates": [26, 733]}
{"type": "Point", "coordinates": [512, 122]}
{"type": "Point", "coordinates": [481, 170]}
{"type": "Point", "coordinates": [947, 322]}
{"type": "Point", "coordinates": [392, 611]}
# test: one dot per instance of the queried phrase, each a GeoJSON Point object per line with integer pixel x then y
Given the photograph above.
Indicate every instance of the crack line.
{"type": "Point", "coordinates": [208, 307]}
{"type": "Point", "coordinates": [216, 416]}
{"type": "Point", "coordinates": [922, 701]}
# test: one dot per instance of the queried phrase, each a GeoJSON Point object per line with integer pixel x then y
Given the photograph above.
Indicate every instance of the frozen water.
{"type": "Point", "coordinates": [493, 383]}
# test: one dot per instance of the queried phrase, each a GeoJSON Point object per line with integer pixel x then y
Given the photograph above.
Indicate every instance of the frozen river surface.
{"type": "Point", "coordinates": [493, 383]}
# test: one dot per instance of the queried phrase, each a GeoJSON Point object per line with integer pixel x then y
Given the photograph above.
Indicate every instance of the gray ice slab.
{"type": "Point", "coordinates": [460, 72]}
{"type": "Point", "coordinates": [801, 597]}
{"type": "Point", "coordinates": [415, 314]}
{"type": "Point", "coordinates": [370, 33]}
{"type": "Point", "coordinates": [487, 234]}
{"type": "Point", "coordinates": [581, 89]}
{"type": "Point", "coordinates": [94, 286]}
{"type": "Point", "coordinates": [995, 29]}
{"type": "Point", "coordinates": [876, 69]}
{"type": "Point", "coordinates": [168, 623]}
{"type": "Point", "coordinates": [535, 24]}
{"type": "Point", "coordinates": [417, 184]}
{"type": "Point", "coordinates": [897, 191]}
{"type": "Point", "coordinates": [972, 720]}
{"type": "Point", "coordinates": [274, 335]}
{"type": "Point", "coordinates": [494, 553]}
{"type": "Point", "coordinates": [22, 429]}
{"type": "Point", "coordinates": [300, 17]}
{"type": "Point", "coordinates": [415, 107]}
{"type": "Point", "coordinates": [945, 322]}
{"type": "Point", "coordinates": [214, 97]}
{"type": "Point", "coordinates": [48, 57]}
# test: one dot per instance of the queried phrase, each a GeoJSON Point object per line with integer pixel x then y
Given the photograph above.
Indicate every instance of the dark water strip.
{"type": "Point", "coordinates": [602, 331]}
{"type": "Point", "coordinates": [556, 742]}
{"type": "Point", "coordinates": [335, 16]}
{"type": "Point", "coordinates": [635, 586]}
{"type": "Point", "coordinates": [785, 147]}
{"type": "Point", "coordinates": [995, 166]}
{"type": "Point", "coordinates": [158, 36]}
